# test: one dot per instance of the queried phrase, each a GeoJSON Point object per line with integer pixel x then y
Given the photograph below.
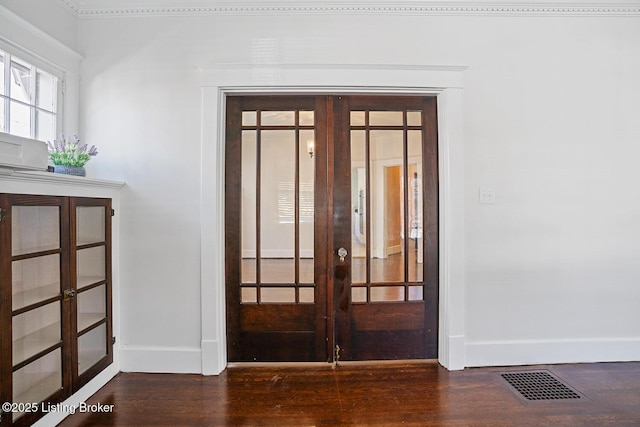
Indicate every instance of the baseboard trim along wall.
{"type": "Point", "coordinates": [177, 360]}
{"type": "Point", "coordinates": [54, 417]}
{"type": "Point", "coordinates": [530, 352]}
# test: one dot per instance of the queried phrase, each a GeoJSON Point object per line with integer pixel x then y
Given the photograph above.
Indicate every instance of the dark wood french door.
{"type": "Point", "coordinates": [331, 228]}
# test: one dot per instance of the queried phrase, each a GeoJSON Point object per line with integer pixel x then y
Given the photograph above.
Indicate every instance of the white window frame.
{"type": "Point", "coordinates": [37, 63]}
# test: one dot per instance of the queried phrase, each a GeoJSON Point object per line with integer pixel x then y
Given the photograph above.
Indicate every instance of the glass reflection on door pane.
{"type": "Point", "coordinates": [306, 118]}
{"type": "Point", "coordinates": [277, 206]}
{"type": "Point", "coordinates": [414, 118]}
{"type": "Point", "coordinates": [358, 207]}
{"type": "Point", "coordinates": [387, 206]}
{"type": "Point", "coordinates": [248, 206]}
{"type": "Point", "coordinates": [249, 118]}
{"type": "Point", "coordinates": [357, 118]}
{"type": "Point", "coordinates": [277, 118]}
{"type": "Point", "coordinates": [415, 204]}
{"type": "Point", "coordinates": [385, 118]}
{"type": "Point", "coordinates": [306, 205]}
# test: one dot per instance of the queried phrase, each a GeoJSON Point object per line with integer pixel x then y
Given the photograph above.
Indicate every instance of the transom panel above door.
{"type": "Point", "coordinates": [331, 228]}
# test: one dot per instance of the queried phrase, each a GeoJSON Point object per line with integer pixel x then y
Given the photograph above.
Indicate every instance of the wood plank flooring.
{"type": "Point", "coordinates": [399, 394]}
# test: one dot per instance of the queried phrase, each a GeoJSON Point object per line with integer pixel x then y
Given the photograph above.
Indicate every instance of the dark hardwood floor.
{"type": "Point", "coordinates": [405, 394]}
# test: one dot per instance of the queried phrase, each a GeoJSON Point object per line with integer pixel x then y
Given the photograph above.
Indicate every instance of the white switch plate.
{"type": "Point", "coordinates": [487, 196]}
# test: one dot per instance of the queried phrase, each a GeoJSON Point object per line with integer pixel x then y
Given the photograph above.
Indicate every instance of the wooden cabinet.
{"type": "Point", "coordinates": [55, 300]}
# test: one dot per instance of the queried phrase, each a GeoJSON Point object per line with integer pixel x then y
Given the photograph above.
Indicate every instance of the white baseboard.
{"type": "Point", "coordinates": [525, 352]}
{"type": "Point", "coordinates": [53, 418]}
{"type": "Point", "coordinates": [451, 353]}
{"type": "Point", "coordinates": [177, 360]}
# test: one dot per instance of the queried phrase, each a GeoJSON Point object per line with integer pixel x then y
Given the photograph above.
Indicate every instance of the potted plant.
{"type": "Point", "coordinates": [69, 157]}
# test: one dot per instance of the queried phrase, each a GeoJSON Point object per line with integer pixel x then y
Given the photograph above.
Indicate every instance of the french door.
{"type": "Point", "coordinates": [331, 228]}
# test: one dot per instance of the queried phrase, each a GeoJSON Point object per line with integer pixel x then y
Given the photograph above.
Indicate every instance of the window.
{"type": "Point", "coordinates": [28, 99]}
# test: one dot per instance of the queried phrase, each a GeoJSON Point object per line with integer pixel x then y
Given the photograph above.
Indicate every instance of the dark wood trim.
{"type": "Point", "coordinates": [342, 226]}
{"type": "Point", "coordinates": [431, 224]}
{"type": "Point", "coordinates": [233, 187]}
{"type": "Point", "coordinates": [6, 359]}
{"type": "Point", "coordinates": [321, 242]}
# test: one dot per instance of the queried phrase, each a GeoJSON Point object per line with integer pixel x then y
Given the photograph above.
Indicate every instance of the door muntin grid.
{"type": "Point", "coordinates": [277, 207]}
{"type": "Point", "coordinates": [387, 206]}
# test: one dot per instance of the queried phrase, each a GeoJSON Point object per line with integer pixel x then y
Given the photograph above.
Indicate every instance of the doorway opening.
{"type": "Point", "coordinates": [331, 228]}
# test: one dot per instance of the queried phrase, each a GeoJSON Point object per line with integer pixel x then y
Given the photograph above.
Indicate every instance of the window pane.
{"type": "Point", "coordinates": [21, 81]}
{"type": "Point", "coordinates": [45, 126]}
{"type": "Point", "coordinates": [2, 115]}
{"type": "Point", "coordinates": [46, 91]}
{"type": "Point", "coordinates": [2, 76]}
{"type": "Point", "coordinates": [20, 116]}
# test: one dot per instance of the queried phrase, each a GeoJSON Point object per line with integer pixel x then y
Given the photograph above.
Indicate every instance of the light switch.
{"type": "Point", "coordinates": [487, 196]}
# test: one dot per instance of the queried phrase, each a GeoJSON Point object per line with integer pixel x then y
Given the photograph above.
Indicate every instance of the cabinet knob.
{"type": "Point", "coordinates": [69, 293]}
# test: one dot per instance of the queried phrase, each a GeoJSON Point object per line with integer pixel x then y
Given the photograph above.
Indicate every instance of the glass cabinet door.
{"type": "Point", "coordinates": [37, 276]}
{"type": "Point", "coordinates": [91, 231]}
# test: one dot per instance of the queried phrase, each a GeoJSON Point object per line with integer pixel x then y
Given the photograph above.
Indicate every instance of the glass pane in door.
{"type": "Point", "coordinates": [359, 200]}
{"type": "Point", "coordinates": [277, 206]}
{"type": "Point", "coordinates": [415, 206]}
{"type": "Point", "coordinates": [306, 203]}
{"type": "Point", "coordinates": [248, 203]}
{"type": "Point", "coordinates": [35, 280]}
{"type": "Point", "coordinates": [35, 331]}
{"type": "Point", "coordinates": [90, 224]}
{"type": "Point", "coordinates": [34, 229]}
{"type": "Point", "coordinates": [92, 347]}
{"type": "Point", "coordinates": [38, 380]}
{"type": "Point", "coordinates": [387, 206]}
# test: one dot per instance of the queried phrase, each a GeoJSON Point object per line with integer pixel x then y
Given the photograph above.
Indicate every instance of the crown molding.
{"type": "Point", "coordinates": [71, 6]}
{"type": "Point", "coordinates": [87, 9]}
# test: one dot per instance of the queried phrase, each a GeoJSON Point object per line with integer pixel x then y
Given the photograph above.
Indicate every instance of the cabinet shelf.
{"type": "Point", "coordinates": [34, 295]}
{"type": "Point", "coordinates": [88, 243]}
{"type": "Point", "coordinates": [18, 254]}
{"type": "Point", "coordinates": [39, 392]}
{"type": "Point", "coordinates": [89, 358]}
{"type": "Point", "coordinates": [86, 320]}
{"type": "Point", "coordinates": [87, 281]}
{"type": "Point", "coordinates": [35, 342]}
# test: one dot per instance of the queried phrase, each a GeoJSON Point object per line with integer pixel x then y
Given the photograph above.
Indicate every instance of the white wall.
{"type": "Point", "coordinates": [549, 124]}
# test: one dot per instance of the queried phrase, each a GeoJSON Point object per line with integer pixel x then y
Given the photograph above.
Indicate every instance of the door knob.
{"type": "Point", "coordinates": [342, 252]}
